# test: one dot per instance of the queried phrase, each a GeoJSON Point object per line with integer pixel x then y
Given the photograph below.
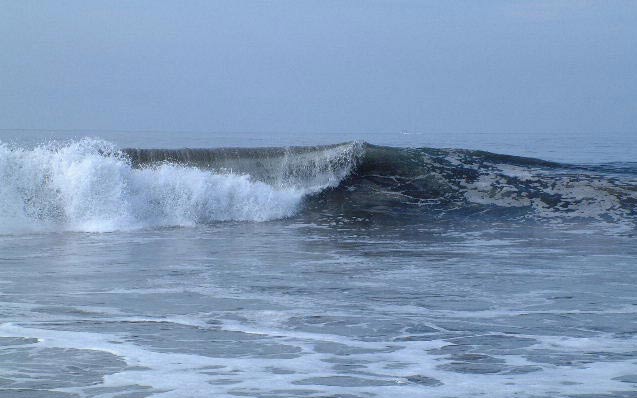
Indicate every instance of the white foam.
{"type": "Point", "coordinates": [87, 185]}
{"type": "Point", "coordinates": [186, 375]}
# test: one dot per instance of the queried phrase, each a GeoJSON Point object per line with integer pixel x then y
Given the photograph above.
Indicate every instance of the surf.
{"type": "Point", "coordinates": [91, 185]}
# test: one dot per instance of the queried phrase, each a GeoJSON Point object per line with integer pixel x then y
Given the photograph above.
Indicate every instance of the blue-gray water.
{"type": "Point", "coordinates": [349, 270]}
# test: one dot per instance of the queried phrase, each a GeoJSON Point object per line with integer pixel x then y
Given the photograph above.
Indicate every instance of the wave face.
{"type": "Point", "coordinates": [90, 185]}
{"type": "Point", "coordinates": [445, 183]}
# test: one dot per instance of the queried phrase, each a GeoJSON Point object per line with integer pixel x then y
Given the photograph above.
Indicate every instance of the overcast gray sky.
{"type": "Point", "coordinates": [312, 66]}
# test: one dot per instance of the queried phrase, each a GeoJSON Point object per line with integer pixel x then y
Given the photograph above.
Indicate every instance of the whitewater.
{"type": "Point", "coordinates": [93, 186]}
{"type": "Point", "coordinates": [165, 266]}
{"type": "Point", "coordinates": [88, 185]}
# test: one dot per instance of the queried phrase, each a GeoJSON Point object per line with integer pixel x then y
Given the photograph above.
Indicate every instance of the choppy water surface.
{"type": "Point", "coordinates": [343, 271]}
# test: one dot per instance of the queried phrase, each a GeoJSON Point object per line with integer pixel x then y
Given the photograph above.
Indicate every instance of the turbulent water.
{"type": "Point", "coordinates": [90, 185]}
{"type": "Point", "coordinates": [344, 270]}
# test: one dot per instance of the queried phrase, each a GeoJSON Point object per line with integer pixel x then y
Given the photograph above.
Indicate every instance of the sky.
{"type": "Point", "coordinates": [318, 66]}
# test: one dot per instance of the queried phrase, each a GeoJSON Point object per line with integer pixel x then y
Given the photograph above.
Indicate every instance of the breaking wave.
{"type": "Point", "coordinates": [90, 185]}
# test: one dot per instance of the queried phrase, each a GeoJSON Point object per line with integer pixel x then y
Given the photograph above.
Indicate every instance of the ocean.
{"type": "Point", "coordinates": [351, 265]}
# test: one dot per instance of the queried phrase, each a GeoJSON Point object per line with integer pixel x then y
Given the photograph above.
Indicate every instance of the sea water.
{"type": "Point", "coordinates": [332, 265]}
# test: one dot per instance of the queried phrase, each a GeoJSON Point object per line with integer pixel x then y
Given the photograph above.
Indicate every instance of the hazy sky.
{"type": "Point", "coordinates": [312, 66]}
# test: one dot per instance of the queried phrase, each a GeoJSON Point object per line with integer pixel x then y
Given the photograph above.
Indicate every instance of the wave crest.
{"type": "Point", "coordinates": [88, 185]}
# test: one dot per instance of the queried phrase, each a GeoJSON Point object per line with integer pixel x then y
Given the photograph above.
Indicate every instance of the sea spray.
{"type": "Point", "coordinates": [88, 185]}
